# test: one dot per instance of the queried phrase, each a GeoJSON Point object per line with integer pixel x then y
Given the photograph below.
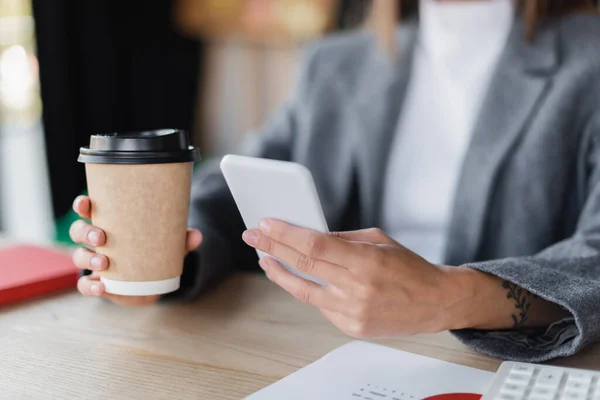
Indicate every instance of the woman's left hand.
{"type": "Point", "coordinates": [376, 287]}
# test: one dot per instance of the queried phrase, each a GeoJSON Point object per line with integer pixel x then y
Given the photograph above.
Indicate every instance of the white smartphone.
{"type": "Point", "coordinates": [281, 190]}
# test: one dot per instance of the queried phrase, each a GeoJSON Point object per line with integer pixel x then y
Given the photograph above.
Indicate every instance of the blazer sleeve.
{"type": "Point", "coordinates": [567, 273]}
{"type": "Point", "coordinates": [212, 208]}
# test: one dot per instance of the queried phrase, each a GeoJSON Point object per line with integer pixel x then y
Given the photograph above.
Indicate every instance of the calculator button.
{"type": "Point", "coordinates": [508, 396]}
{"type": "Point", "coordinates": [521, 369]}
{"type": "Point", "coordinates": [518, 390]}
{"type": "Point", "coordinates": [549, 378]}
{"type": "Point", "coordinates": [581, 377]}
{"type": "Point", "coordinates": [574, 395]}
{"type": "Point", "coordinates": [539, 396]}
{"type": "Point", "coordinates": [515, 386]}
{"type": "Point", "coordinates": [518, 378]}
{"type": "Point", "coordinates": [512, 395]}
{"type": "Point", "coordinates": [576, 386]}
{"type": "Point", "coordinates": [543, 391]}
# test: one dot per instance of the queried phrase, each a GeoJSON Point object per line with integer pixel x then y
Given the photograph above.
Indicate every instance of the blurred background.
{"type": "Point", "coordinates": [71, 69]}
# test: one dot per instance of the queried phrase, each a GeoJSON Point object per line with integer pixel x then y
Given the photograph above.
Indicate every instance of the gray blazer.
{"type": "Point", "coordinates": [528, 203]}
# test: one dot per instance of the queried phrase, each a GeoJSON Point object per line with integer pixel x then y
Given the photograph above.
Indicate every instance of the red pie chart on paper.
{"type": "Point", "coordinates": [455, 396]}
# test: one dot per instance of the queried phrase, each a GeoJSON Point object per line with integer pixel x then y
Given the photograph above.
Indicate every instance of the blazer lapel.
{"type": "Point", "coordinates": [519, 84]}
{"type": "Point", "coordinates": [377, 106]}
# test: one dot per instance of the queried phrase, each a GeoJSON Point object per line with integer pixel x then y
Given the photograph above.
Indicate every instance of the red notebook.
{"type": "Point", "coordinates": [29, 271]}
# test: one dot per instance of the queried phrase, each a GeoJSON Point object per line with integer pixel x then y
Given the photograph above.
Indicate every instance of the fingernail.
{"type": "Point", "coordinates": [265, 225]}
{"type": "Point", "coordinates": [250, 237]}
{"type": "Point", "coordinates": [96, 262]}
{"type": "Point", "coordinates": [93, 237]}
{"type": "Point", "coordinates": [95, 288]}
{"type": "Point", "coordinates": [264, 264]}
{"type": "Point", "coordinates": [76, 203]}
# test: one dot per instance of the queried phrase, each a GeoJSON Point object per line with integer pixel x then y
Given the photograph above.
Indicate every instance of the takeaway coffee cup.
{"type": "Point", "coordinates": [139, 185]}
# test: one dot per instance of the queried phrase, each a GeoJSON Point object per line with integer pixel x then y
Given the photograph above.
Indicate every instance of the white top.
{"type": "Point", "coordinates": [458, 48]}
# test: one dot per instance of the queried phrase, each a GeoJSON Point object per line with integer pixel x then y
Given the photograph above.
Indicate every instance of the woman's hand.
{"type": "Point", "coordinates": [376, 286]}
{"type": "Point", "coordinates": [88, 235]}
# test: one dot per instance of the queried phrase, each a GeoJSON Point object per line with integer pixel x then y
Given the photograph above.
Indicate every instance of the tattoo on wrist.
{"type": "Point", "coordinates": [522, 299]}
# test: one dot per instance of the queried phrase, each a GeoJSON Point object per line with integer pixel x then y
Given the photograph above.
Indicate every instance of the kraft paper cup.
{"type": "Point", "coordinates": [139, 187]}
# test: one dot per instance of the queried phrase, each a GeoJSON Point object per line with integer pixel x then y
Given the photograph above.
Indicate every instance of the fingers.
{"type": "Point", "coordinates": [83, 207]}
{"type": "Point", "coordinates": [314, 244]}
{"type": "Point", "coordinates": [330, 273]}
{"type": "Point", "coordinates": [306, 291]}
{"type": "Point", "coordinates": [372, 235]}
{"type": "Point", "coordinates": [83, 233]}
{"type": "Point", "coordinates": [90, 286]}
{"type": "Point", "coordinates": [85, 259]}
{"type": "Point", "coordinates": [194, 238]}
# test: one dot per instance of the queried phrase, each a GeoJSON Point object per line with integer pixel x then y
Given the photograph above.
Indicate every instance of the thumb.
{"type": "Point", "coordinates": [371, 235]}
{"type": "Point", "coordinates": [194, 238]}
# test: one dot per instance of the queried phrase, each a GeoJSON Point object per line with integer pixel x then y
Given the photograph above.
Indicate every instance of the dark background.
{"type": "Point", "coordinates": [116, 66]}
{"type": "Point", "coordinates": [109, 66]}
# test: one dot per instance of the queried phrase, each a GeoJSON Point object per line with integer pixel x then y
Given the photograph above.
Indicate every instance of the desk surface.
{"type": "Point", "coordinates": [232, 342]}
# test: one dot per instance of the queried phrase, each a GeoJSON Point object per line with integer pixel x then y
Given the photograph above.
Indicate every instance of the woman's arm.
{"type": "Point", "coordinates": [566, 274]}
{"type": "Point", "coordinates": [379, 288]}
{"type": "Point", "coordinates": [492, 303]}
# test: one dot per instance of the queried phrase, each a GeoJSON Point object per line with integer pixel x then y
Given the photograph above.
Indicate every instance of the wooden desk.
{"type": "Point", "coordinates": [234, 341]}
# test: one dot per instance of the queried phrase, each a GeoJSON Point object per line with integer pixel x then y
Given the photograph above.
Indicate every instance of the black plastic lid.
{"type": "Point", "coordinates": [149, 147]}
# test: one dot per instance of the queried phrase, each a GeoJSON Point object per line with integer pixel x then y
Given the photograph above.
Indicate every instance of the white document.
{"type": "Point", "coordinates": [364, 371]}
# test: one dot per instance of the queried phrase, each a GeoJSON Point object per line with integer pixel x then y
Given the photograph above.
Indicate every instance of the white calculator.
{"type": "Point", "coordinates": [518, 381]}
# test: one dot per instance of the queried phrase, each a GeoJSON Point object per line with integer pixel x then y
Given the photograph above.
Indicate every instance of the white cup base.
{"type": "Point", "coordinates": [141, 288]}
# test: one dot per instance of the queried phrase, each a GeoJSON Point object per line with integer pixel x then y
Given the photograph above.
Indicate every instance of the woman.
{"type": "Point", "coordinates": [474, 143]}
